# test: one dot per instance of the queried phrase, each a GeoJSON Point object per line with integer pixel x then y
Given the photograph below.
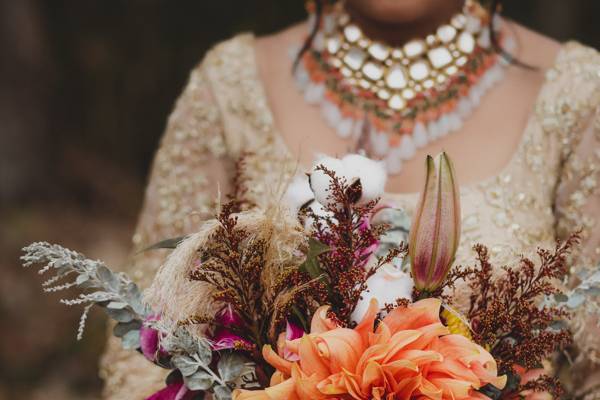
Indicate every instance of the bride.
{"type": "Point", "coordinates": [395, 79]}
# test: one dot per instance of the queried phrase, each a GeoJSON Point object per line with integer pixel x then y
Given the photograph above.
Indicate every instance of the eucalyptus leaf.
{"type": "Point", "coordinates": [200, 380]}
{"type": "Point", "coordinates": [131, 340]}
{"type": "Point", "coordinates": [187, 365]}
{"type": "Point", "coordinates": [231, 366]}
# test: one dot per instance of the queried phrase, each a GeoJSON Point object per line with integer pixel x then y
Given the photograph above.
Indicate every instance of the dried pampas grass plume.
{"type": "Point", "coordinates": [178, 298]}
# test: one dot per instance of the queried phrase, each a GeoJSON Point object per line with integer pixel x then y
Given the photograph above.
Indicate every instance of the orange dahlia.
{"type": "Point", "coordinates": [409, 355]}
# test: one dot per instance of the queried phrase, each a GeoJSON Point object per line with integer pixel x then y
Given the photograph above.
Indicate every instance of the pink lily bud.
{"type": "Point", "coordinates": [435, 230]}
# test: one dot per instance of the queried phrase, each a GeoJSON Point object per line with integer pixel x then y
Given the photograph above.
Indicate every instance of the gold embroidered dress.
{"type": "Point", "coordinates": [549, 189]}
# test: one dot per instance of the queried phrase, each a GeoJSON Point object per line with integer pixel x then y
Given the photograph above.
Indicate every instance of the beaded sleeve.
{"type": "Point", "coordinates": [191, 169]}
{"type": "Point", "coordinates": [577, 207]}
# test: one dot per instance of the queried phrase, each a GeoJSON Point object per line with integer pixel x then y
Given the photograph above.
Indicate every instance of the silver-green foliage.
{"type": "Point", "coordinates": [193, 356]}
{"type": "Point", "coordinates": [122, 300]}
{"type": "Point", "coordinates": [115, 292]}
{"type": "Point", "coordinates": [585, 295]}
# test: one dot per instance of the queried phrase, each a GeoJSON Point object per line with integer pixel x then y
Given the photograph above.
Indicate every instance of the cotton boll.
{"type": "Point", "coordinates": [319, 181]}
{"type": "Point", "coordinates": [387, 285]}
{"type": "Point", "coordinates": [298, 194]}
{"type": "Point", "coordinates": [318, 210]}
{"type": "Point", "coordinates": [372, 175]}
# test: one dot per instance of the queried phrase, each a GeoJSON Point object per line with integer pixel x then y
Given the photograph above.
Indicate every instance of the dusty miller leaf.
{"type": "Point", "coordinates": [231, 366]}
{"type": "Point", "coordinates": [187, 365]}
{"type": "Point", "coordinates": [204, 352]}
{"type": "Point", "coordinates": [131, 340]}
{"type": "Point", "coordinates": [222, 393]}
{"type": "Point", "coordinates": [115, 292]}
{"type": "Point", "coordinates": [116, 305]}
{"type": "Point", "coordinates": [200, 380]}
{"type": "Point", "coordinates": [122, 328]}
{"type": "Point", "coordinates": [120, 315]}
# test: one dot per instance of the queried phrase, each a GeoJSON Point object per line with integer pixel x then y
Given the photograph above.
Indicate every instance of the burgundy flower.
{"type": "Point", "coordinates": [224, 337]}
{"type": "Point", "coordinates": [174, 391]}
{"type": "Point", "coordinates": [150, 340]}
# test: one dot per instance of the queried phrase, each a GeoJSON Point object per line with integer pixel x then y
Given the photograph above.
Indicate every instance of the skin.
{"type": "Point", "coordinates": [488, 139]}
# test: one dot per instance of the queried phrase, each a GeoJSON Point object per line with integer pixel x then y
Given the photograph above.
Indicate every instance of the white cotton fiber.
{"type": "Point", "coordinates": [298, 194]}
{"type": "Point", "coordinates": [372, 175]}
{"type": "Point", "coordinates": [319, 181]}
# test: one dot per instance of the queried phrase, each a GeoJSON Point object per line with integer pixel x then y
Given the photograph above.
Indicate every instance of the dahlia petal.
{"type": "Point", "coordinates": [306, 386]}
{"type": "Point", "coordinates": [407, 387]}
{"type": "Point", "coordinates": [320, 322]}
{"type": "Point", "coordinates": [416, 315]}
{"type": "Point", "coordinates": [399, 341]}
{"type": "Point", "coordinates": [367, 325]}
{"type": "Point", "coordinates": [419, 357]}
{"type": "Point", "coordinates": [341, 348]}
{"type": "Point", "coordinates": [277, 378]}
{"type": "Point", "coordinates": [429, 390]}
{"type": "Point", "coordinates": [453, 388]}
{"type": "Point", "coordinates": [276, 361]}
{"type": "Point", "coordinates": [282, 391]}
{"type": "Point", "coordinates": [373, 375]}
{"type": "Point", "coordinates": [311, 360]}
{"type": "Point", "coordinates": [489, 375]}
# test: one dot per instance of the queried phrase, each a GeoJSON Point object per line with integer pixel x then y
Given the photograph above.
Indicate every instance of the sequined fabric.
{"type": "Point", "coordinates": [549, 189]}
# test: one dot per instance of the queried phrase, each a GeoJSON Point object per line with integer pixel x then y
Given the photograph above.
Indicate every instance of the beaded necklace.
{"type": "Point", "coordinates": [393, 100]}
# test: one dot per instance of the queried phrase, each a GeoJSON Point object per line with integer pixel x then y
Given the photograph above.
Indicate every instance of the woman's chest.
{"type": "Point", "coordinates": [511, 213]}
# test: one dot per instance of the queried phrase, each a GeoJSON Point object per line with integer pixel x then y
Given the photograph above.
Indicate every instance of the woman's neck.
{"type": "Point", "coordinates": [396, 34]}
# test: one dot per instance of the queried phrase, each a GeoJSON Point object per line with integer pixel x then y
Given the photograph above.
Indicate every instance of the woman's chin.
{"type": "Point", "coordinates": [397, 11]}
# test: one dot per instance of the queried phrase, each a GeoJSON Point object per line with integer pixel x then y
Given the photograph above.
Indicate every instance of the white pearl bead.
{"type": "Point", "coordinates": [393, 162]}
{"type": "Point", "coordinates": [454, 122]}
{"type": "Point", "coordinates": [314, 93]}
{"type": "Point", "coordinates": [420, 135]}
{"type": "Point", "coordinates": [379, 142]}
{"type": "Point", "coordinates": [464, 107]}
{"type": "Point", "coordinates": [407, 147]}
{"type": "Point", "coordinates": [344, 128]}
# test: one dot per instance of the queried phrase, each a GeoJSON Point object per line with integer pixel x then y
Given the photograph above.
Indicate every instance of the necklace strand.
{"type": "Point", "coordinates": [393, 100]}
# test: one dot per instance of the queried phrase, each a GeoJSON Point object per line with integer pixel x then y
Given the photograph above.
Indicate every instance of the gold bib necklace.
{"type": "Point", "coordinates": [393, 100]}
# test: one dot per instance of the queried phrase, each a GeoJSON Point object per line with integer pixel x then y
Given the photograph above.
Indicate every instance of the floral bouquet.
{"type": "Point", "coordinates": [329, 295]}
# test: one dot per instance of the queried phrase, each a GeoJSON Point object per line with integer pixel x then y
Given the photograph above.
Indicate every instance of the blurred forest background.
{"type": "Point", "coordinates": [85, 90]}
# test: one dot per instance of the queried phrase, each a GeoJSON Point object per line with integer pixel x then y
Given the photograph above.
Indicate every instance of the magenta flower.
{"type": "Point", "coordinates": [224, 337]}
{"type": "Point", "coordinates": [174, 391]}
{"type": "Point", "coordinates": [150, 340]}
{"type": "Point", "coordinates": [228, 317]}
{"type": "Point", "coordinates": [435, 230]}
{"type": "Point", "coordinates": [364, 254]}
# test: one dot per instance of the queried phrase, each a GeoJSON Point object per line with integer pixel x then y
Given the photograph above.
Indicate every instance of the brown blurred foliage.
{"type": "Point", "coordinates": [85, 89]}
